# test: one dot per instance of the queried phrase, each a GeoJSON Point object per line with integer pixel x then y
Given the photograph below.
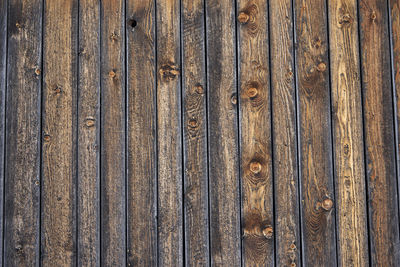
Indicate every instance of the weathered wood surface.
{"type": "Point", "coordinates": [379, 133]}
{"type": "Point", "coordinates": [22, 162]}
{"type": "Point", "coordinates": [255, 129]}
{"type": "Point", "coordinates": [317, 191]}
{"type": "Point", "coordinates": [88, 190]}
{"type": "Point", "coordinates": [169, 121]}
{"type": "Point", "coordinates": [59, 133]}
{"type": "Point", "coordinates": [284, 124]}
{"type": "Point", "coordinates": [141, 134]}
{"type": "Point", "coordinates": [199, 133]}
{"type": "Point", "coordinates": [113, 139]}
{"type": "Point", "coordinates": [195, 134]}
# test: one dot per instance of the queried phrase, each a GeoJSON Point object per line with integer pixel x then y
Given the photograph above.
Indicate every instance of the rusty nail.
{"type": "Point", "coordinates": [255, 167]}
{"type": "Point", "coordinates": [243, 17]}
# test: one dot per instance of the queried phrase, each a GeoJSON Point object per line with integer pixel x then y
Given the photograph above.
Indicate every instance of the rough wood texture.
{"type": "Point", "coordinates": [225, 236]}
{"type": "Point", "coordinates": [379, 132]}
{"type": "Point", "coordinates": [317, 194]}
{"type": "Point", "coordinates": [348, 143]}
{"type": "Point", "coordinates": [88, 215]}
{"type": "Point", "coordinates": [58, 242]}
{"type": "Point", "coordinates": [195, 134]}
{"type": "Point", "coordinates": [255, 128]}
{"type": "Point", "coordinates": [113, 173]}
{"type": "Point", "coordinates": [170, 223]}
{"type": "Point", "coordinates": [142, 172]}
{"type": "Point", "coordinates": [283, 95]}
{"type": "Point", "coordinates": [3, 84]}
{"type": "Point", "coordinates": [22, 166]}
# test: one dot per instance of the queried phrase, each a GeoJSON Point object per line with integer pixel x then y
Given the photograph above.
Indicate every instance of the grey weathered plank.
{"type": "Point", "coordinates": [113, 173]}
{"type": "Point", "coordinates": [22, 164]}
{"type": "Point", "coordinates": [59, 121]}
{"type": "Point", "coordinates": [141, 157]}
{"type": "Point", "coordinates": [379, 132]}
{"type": "Point", "coordinates": [88, 213]}
{"type": "Point", "coordinates": [170, 223]}
{"type": "Point", "coordinates": [287, 217]}
{"type": "Point", "coordinates": [255, 128]}
{"type": "Point", "coordinates": [317, 191]}
{"type": "Point", "coordinates": [225, 236]}
{"type": "Point", "coordinates": [351, 208]}
{"type": "Point", "coordinates": [195, 134]}
{"type": "Point", "coordinates": [3, 84]}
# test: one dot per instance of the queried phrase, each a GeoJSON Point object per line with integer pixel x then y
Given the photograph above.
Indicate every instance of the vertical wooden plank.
{"type": "Point", "coordinates": [22, 184]}
{"type": "Point", "coordinates": [113, 174]}
{"type": "Point", "coordinates": [195, 134]}
{"type": "Point", "coordinates": [348, 142]}
{"type": "Point", "coordinates": [3, 88]}
{"type": "Point", "coordinates": [379, 132]}
{"type": "Point", "coordinates": [287, 217]}
{"type": "Point", "coordinates": [170, 214]}
{"type": "Point", "coordinates": [317, 191]}
{"type": "Point", "coordinates": [142, 172]}
{"type": "Point", "coordinates": [255, 139]}
{"type": "Point", "coordinates": [224, 182]}
{"type": "Point", "coordinates": [59, 133]}
{"type": "Point", "coordinates": [89, 134]}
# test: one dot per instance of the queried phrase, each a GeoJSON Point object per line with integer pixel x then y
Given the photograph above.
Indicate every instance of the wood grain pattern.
{"type": "Point", "coordinates": [223, 137]}
{"type": "Point", "coordinates": [142, 172]}
{"type": "Point", "coordinates": [317, 193]}
{"type": "Point", "coordinates": [195, 134]}
{"type": "Point", "coordinates": [22, 180]}
{"type": "Point", "coordinates": [59, 122]}
{"type": "Point", "coordinates": [255, 128]}
{"type": "Point", "coordinates": [170, 210]}
{"type": "Point", "coordinates": [88, 213]}
{"type": "Point", "coordinates": [113, 173]}
{"type": "Point", "coordinates": [283, 95]}
{"type": "Point", "coordinates": [3, 87]}
{"type": "Point", "coordinates": [348, 142]}
{"type": "Point", "coordinates": [379, 132]}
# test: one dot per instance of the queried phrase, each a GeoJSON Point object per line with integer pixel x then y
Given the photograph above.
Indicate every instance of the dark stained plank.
{"type": "Point", "coordinates": [348, 145]}
{"type": "Point", "coordinates": [59, 121]}
{"type": "Point", "coordinates": [141, 157]}
{"type": "Point", "coordinates": [379, 132]}
{"type": "Point", "coordinates": [3, 84]}
{"type": "Point", "coordinates": [255, 128]}
{"type": "Point", "coordinates": [170, 213]}
{"type": "Point", "coordinates": [113, 174]}
{"type": "Point", "coordinates": [287, 217]}
{"type": "Point", "coordinates": [89, 134]}
{"type": "Point", "coordinates": [22, 167]}
{"type": "Point", "coordinates": [224, 185]}
{"type": "Point", "coordinates": [317, 191]}
{"type": "Point", "coordinates": [195, 134]}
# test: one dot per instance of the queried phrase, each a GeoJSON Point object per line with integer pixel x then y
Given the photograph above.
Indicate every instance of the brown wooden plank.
{"type": "Point", "coordinates": [58, 244]}
{"type": "Point", "coordinates": [255, 127]}
{"type": "Point", "coordinates": [88, 214]}
{"type": "Point", "coordinates": [113, 174]}
{"type": "Point", "coordinates": [3, 84]}
{"type": "Point", "coordinates": [142, 172]}
{"type": "Point", "coordinates": [351, 212]}
{"type": "Point", "coordinates": [22, 180]}
{"type": "Point", "coordinates": [170, 213]}
{"type": "Point", "coordinates": [379, 132]}
{"type": "Point", "coordinates": [287, 217]}
{"type": "Point", "coordinates": [317, 192]}
{"type": "Point", "coordinates": [223, 134]}
{"type": "Point", "coordinates": [195, 134]}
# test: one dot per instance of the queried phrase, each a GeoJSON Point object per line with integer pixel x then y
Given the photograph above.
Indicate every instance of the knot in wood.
{"type": "Point", "coordinates": [268, 232]}
{"type": "Point", "coordinates": [373, 16]}
{"type": "Point", "coordinates": [114, 36]}
{"type": "Point", "coordinates": [234, 99]}
{"type": "Point", "coordinates": [327, 204]}
{"type": "Point", "coordinates": [321, 67]}
{"type": "Point", "coordinates": [243, 17]}
{"type": "Point", "coordinates": [90, 122]}
{"type": "Point", "coordinates": [46, 138]}
{"type": "Point", "coordinates": [169, 72]}
{"type": "Point", "coordinates": [252, 92]}
{"type": "Point", "coordinates": [255, 167]}
{"type": "Point", "coordinates": [111, 74]}
{"type": "Point", "coordinates": [345, 19]}
{"type": "Point", "coordinates": [193, 123]}
{"type": "Point", "coordinates": [199, 89]}
{"type": "Point", "coordinates": [57, 89]}
{"type": "Point", "coordinates": [38, 71]}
